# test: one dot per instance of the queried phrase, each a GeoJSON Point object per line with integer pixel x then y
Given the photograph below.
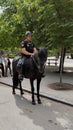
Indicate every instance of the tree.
{"type": "Point", "coordinates": [51, 22]}
{"type": "Point", "coordinates": [64, 11]}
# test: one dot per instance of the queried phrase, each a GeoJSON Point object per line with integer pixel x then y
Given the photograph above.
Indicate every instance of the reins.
{"type": "Point", "coordinates": [35, 62]}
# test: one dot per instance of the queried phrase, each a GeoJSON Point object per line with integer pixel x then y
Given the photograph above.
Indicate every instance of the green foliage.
{"type": "Point", "coordinates": [50, 21]}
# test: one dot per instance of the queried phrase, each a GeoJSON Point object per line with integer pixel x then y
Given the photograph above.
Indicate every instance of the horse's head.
{"type": "Point", "coordinates": [40, 58]}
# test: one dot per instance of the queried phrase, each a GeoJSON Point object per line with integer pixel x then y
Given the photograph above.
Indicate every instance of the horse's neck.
{"type": "Point", "coordinates": [35, 56]}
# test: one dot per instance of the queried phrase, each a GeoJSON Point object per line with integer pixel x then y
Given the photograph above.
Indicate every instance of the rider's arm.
{"type": "Point", "coordinates": [24, 51]}
{"type": "Point", "coordinates": [35, 50]}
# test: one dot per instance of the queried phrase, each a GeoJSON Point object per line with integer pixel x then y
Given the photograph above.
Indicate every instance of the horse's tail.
{"type": "Point", "coordinates": [15, 73]}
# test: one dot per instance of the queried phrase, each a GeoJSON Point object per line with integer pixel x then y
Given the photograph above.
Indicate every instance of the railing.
{"type": "Point", "coordinates": [52, 60]}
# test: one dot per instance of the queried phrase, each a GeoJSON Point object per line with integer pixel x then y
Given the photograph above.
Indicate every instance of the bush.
{"type": "Point", "coordinates": [12, 55]}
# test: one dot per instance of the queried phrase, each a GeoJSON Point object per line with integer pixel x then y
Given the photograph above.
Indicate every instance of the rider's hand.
{"type": "Point", "coordinates": [32, 54]}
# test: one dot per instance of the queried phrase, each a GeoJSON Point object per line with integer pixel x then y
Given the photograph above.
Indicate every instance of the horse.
{"type": "Point", "coordinates": [33, 69]}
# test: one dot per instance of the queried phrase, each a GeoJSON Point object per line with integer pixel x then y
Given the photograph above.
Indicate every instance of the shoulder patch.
{"type": "Point", "coordinates": [22, 43]}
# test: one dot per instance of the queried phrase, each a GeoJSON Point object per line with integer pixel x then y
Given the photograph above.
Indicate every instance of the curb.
{"type": "Point", "coordinates": [44, 96]}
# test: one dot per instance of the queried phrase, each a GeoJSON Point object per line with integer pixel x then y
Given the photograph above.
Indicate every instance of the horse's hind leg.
{"type": "Point", "coordinates": [13, 88]}
{"type": "Point", "coordinates": [32, 90]}
{"type": "Point", "coordinates": [21, 90]}
{"type": "Point", "coordinates": [38, 89]}
{"type": "Point", "coordinates": [15, 83]}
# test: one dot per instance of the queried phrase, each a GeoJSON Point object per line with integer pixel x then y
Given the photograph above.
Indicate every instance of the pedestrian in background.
{"type": "Point", "coordinates": [7, 64]}
{"type": "Point", "coordinates": [1, 64]}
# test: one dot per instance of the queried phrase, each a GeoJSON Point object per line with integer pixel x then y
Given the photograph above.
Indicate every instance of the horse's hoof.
{"type": "Point", "coordinates": [13, 93]}
{"type": "Point", "coordinates": [22, 93]}
{"type": "Point", "coordinates": [33, 103]}
{"type": "Point", "coordinates": [39, 102]}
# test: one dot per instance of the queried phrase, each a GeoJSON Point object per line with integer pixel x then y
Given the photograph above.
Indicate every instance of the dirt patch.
{"type": "Point", "coordinates": [64, 86]}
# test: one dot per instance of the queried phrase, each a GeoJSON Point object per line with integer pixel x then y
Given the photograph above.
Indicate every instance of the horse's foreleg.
{"type": "Point", "coordinates": [38, 89]}
{"type": "Point", "coordinates": [21, 90]}
{"type": "Point", "coordinates": [32, 90]}
{"type": "Point", "coordinates": [13, 91]}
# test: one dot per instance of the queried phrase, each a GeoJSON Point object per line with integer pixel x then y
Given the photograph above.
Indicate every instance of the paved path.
{"type": "Point", "coordinates": [65, 96]}
{"type": "Point", "coordinates": [17, 113]}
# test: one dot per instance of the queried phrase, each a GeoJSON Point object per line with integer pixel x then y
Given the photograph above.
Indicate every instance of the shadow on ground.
{"type": "Point", "coordinates": [41, 115]}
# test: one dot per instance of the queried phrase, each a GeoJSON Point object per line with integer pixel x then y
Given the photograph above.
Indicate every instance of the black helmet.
{"type": "Point", "coordinates": [28, 33]}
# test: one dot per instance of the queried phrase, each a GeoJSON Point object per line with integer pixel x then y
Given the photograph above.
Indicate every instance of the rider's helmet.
{"type": "Point", "coordinates": [28, 33]}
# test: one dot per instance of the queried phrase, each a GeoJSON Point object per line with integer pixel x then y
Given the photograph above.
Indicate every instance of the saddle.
{"type": "Point", "coordinates": [17, 58]}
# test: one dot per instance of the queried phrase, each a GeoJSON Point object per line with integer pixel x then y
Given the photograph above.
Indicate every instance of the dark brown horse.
{"type": "Point", "coordinates": [33, 68]}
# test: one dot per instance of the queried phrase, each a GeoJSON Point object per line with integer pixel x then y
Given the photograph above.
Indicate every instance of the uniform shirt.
{"type": "Point", "coordinates": [28, 45]}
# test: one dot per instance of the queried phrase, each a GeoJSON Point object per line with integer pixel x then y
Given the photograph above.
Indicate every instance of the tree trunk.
{"type": "Point", "coordinates": [61, 67]}
{"type": "Point", "coordinates": [63, 52]}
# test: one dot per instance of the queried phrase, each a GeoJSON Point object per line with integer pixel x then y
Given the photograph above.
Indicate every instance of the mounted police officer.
{"type": "Point", "coordinates": [27, 50]}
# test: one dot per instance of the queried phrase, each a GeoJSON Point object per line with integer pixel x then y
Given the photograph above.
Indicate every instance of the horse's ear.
{"type": "Point", "coordinates": [46, 50]}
